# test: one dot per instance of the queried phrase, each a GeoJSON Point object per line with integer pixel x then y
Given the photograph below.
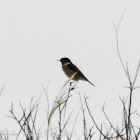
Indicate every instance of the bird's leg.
{"type": "Point", "coordinates": [73, 86]}
{"type": "Point", "coordinates": [71, 83]}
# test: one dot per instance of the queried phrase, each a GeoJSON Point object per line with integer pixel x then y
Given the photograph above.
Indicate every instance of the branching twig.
{"type": "Point", "coordinates": [132, 84]}
{"type": "Point", "coordinates": [100, 130]}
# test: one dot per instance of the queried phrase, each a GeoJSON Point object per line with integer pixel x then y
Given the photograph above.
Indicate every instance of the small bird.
{"type": "Point", "coordinates": [70, 69]}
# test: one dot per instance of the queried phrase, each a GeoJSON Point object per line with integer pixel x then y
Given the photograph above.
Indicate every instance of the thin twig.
{"type": "Point", "coordinates": [105, 137]}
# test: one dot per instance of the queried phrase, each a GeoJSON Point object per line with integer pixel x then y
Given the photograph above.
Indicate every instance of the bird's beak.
{"type": "Point", "coordinates": [58, 60]}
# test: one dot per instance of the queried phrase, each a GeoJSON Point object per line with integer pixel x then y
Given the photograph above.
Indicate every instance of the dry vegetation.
{"type": "Point", "coordinates": [27, 121]}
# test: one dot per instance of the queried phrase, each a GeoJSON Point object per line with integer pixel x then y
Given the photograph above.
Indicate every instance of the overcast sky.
{"type": "Point", "coordinates": [34, 34]}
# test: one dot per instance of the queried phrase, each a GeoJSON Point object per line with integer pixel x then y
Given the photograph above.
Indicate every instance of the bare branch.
{"type": "Point", "coordinates": [136, 75]}
{"type": "Point", "coordinates": [100, 130]}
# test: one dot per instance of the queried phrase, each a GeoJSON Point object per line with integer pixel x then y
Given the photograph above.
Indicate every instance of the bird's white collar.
{"type": "Point", "coordinates": [67, 63]}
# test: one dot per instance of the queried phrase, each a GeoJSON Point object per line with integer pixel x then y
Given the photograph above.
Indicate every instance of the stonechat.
{"type": "Point", "coordinates": [70, 69]}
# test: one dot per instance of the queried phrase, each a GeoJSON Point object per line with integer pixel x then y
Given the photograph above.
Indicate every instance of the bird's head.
{"type": "Point", "coordinates": [64, 60]}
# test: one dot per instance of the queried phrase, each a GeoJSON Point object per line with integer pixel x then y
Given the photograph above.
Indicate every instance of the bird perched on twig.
{"type": "Point", "coordinates": [70, 69]}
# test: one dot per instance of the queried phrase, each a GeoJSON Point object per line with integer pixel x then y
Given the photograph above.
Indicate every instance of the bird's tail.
{"type": "Point", "coordinates": [89, 81]}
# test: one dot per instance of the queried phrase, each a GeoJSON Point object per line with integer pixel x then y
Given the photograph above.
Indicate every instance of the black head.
{"type": "Point", "coordinates": [65, 60]}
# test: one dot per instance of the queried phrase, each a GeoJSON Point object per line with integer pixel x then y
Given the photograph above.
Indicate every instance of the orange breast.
{"type": "Point", "coordinates": [67, 71]}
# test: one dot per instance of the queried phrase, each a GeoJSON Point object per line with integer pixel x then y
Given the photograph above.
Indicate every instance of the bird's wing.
{"type": "Point", "coordinates": [73, 68]}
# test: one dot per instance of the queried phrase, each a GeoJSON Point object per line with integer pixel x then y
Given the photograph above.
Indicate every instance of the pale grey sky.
{"type": "Point", "coordinates": [34, 34]}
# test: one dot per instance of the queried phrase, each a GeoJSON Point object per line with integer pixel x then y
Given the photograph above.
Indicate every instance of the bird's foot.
{"type": "Point", "coordinates": [71, 83]}
{"type": "Point", "coordinates": [72, 87]}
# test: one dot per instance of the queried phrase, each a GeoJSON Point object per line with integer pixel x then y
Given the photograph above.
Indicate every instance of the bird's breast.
{"type": "Point", "coordinates": [67, 71]}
